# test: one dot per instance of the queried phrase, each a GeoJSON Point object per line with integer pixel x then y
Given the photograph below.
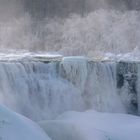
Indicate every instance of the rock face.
{"type": "Point", "coordinates": [127, 85]}
{"type": "Point", "coordinates": [42, 89]}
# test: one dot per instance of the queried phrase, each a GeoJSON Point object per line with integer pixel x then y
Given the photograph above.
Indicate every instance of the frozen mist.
{"type": "Point", "coordinates": [70, 27]}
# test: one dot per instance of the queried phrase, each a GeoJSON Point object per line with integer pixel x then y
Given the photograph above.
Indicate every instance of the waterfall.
{"type": "Point", "coordinates": [93, 28]}
{"type": "Point", "coordinates": [69, 55]}
{"type": "Point", "coordinates": [127, 80]}
{"type": "Point", "coordinates": [44, 89]}
{"type": "Point", "coordinates": [101, 87]}
{"type": "Point", "coordinates": [36, 91]}
{"type": "Point", "coordinates": [138, 89]}
{"type": "Point", "coordinates": [96, 81]}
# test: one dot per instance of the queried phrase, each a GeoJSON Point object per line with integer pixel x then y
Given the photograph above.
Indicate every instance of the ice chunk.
{"type": "Point", "coordinates": [16, 127]}
{"type": "Point", "coordinates": [93, 125]}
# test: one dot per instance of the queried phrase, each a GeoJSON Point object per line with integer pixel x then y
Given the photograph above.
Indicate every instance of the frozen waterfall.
{"type": "Point", "coordinates": [44, 89]}
{"type": "Point", "coordinates": [66, 59]}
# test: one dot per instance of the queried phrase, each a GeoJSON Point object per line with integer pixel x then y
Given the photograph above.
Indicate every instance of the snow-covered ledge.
{"type": "Point", "coordinates": [16, 127]}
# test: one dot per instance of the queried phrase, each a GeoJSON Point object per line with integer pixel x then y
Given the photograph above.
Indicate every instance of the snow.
{"type": "Point", "coordinates": [16, 55]}
{"type": "Point", "coordinates": [12, 55]}
{"type": "Point", "coordinates": [92, 125]}
{"type": "Point", "coordinates": [16, 127]}
{"type": "Point", "coordinates": [130, 56]}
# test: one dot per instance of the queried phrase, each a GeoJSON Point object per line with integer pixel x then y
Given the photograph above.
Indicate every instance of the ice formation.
{"type": "Point", "coordinates": [93, 125]}
{"type": "Point", "coordinates": [16, 127]}
{"type": "Point", "coordinates": [43, 88]}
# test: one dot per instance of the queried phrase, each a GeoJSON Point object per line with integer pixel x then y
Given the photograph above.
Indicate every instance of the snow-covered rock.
{"type": "Point", "coordinates": [92, 125]}
{"type": "Point", "coordinates": [16, 127]}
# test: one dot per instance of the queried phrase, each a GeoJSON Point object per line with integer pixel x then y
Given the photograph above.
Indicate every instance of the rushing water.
{"type": "Point", "coordinates": [43, 90]}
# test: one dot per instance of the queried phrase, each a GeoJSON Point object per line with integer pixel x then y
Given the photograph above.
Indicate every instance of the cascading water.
{"type": "Point", "coordinates": [138, 89]}
{"type": "Point", "coordinates": [44, 89]}
{"type": "Point", "coordinates": [96, 81]}
{"type": "Point", "coordinates": [127, 81]}
{"type": "Point", "coordinates": [36, 90]}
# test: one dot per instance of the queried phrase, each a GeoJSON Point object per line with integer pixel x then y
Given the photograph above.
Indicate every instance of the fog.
{"type": "Point", "coordinates": [70, 27]}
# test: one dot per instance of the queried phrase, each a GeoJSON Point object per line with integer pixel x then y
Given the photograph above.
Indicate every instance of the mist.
{"type": "Point", "coordinates": [70, 27]}
{"type": "Point", "coordinates": [61, 8]}
{"type": "Point", "coordinates": [10, 9]}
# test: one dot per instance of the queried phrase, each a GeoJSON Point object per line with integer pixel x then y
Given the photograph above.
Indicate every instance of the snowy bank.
{"type": "Point", "coordinates": [17, 127]}
{"type": "Point", "coordinates": [93, 125]}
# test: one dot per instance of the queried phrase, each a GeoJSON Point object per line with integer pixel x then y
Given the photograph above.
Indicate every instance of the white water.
{"type": "Point", "coordinates": [43, 90]}
{"type": "Point", "coordinates": [33, 89]}
{"type": "Point", "coordinates": [138, 86]}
